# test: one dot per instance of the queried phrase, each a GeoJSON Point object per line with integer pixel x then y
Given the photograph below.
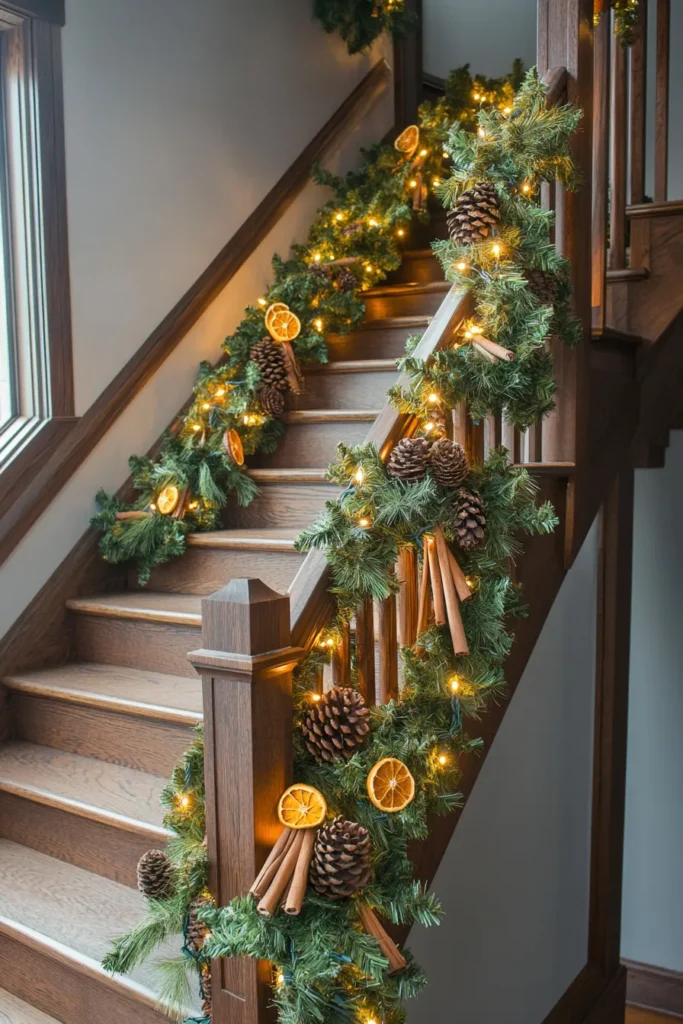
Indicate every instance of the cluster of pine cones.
{"type": "Point", "coordinates": [271, 363]}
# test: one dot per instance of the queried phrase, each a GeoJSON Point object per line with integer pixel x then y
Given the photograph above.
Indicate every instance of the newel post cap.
{"type": "Point", "coordinates": [246, 617]}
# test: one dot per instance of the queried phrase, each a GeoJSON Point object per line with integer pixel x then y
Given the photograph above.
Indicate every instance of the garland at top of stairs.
{"type": "Point", "coordinates": [332, 960]}
{"type": "Point", "coordinates": [355, 240]}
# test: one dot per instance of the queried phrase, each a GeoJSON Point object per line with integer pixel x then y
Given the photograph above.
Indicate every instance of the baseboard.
{"type": "Point", "coordinates": [654, 988]}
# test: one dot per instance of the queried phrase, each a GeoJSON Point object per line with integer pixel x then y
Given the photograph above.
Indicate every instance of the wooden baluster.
{"type": "Point", "coordinates": [508, 437]}
{"type": "Point", "coordinates": [246, 663]}
{"type": "Point", "coordinates": [601, 111]}
{"type": "Point", "coordinates": [618, 168]}
{"type": "Point", "coordinates": [534, 443]}
{"type": "Point", "coordinates": [318, 684]}
{"type": "Point", "coordinates": [492, 434]}
{"type": "Point", "coordinates": [459, 416]}
{"type": "Point", "coordinates": [475, 441]}
{"type": "Point", "coordinates": [341, 659]}
{"type": "Point", "coordinates": [662, 101]}
{"type": "Point", "coordinates": [365, 650]}
{"type": "Point", "coordinates": [638, 93]}
{"type": "Point", "coordinates": [388, 651]}
{"type": "Point", "coordinates": [407, 598]}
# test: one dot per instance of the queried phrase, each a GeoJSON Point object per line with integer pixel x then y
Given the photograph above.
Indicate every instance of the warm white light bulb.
{"type": "Point", "coordinates": [496, 250]}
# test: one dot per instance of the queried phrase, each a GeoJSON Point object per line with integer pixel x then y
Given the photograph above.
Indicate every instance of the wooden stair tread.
{"type": "Point", "coordinates": [298, 416]}
{"type": "Point", "coordinates": [72, 914]}
{"type": "Point", "coordinates": [151, 606]}
{"type": "Point", "coordinates": [134, 691]}
{"type": "Point", "coordinates": [628, 274]}
{"type": "Point", "coordinates": [238, 540]}
{"type": "Point", "coordinates": [287, 475]}
{"type": "Point", "coordinates": [382, 323]}
{"type": "Point", "coordinates": [15, 1011]}
{"type": "Point", "coordinates": [84, 786]}
{"type": "Point", "coordinates": [353, 366]}
{"type": "Point", "coordinates": [408, 288]}
{"type": "Point", "coordinates": [611, 336]}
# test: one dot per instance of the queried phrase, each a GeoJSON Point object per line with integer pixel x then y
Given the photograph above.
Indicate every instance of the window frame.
{"type": "Point", "coordinates": [34, 210]}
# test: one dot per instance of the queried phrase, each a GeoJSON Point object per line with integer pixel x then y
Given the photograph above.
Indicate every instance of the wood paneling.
{"type": "Point", "coordinates": [637, 99]}
{"type": "Point", "coordinates": [662, 65]}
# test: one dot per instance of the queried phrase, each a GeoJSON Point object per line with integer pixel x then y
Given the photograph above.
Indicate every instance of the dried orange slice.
{"type": "Point", "coordinates": [232, 446]}
{"type": "Point", "coordinates": [283, 325]}
{"type": "Point", "coordinates": [302, 806]}
{"type": "Point", "coordinates": [275, 307]}
{"type": "Point", "coordinates": [408, 140]}
{"type": "Point", "coordinates": [167, 499]}
{"type": "Point", "coordinates": [391, 787]}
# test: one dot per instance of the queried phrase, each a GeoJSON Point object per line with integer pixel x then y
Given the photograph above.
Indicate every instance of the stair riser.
{"type": "Point", "coordinates": [383, 343]}
{"type": "Point", "coordinates": [403, 304]}
{"type": "Point", "coordinates": [92, 845]}
{"type": "Point", "coordinates": [146, 744]}
{"type": "Point", "coordinates": [204, 570]}
{"type": "Point", "coordinates": [314, 445]}
{"type": "Point", "coordinates": [286, 505]}
{"type": "Point", "coordinates": [346, 390]}
{"type": "Point", "coordinates": [423, 269]}
{"type": "Point", "coordinates": [159, 646]}
{"type": "Point", "coordinates": [58, 988]}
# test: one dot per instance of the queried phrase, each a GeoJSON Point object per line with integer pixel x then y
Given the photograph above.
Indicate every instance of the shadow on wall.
{"type": "Point", "coordinates": [455, 34]}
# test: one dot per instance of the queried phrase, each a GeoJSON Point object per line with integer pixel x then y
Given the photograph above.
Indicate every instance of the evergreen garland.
{"type": "Point", "coordinates": [360, 22]}
{"type": "Point", "coordinates": [626, 14]}
{"type": "Point", "coordinates": [326, 968]}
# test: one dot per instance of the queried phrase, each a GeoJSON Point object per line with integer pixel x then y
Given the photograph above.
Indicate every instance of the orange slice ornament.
{"type": "Point", "coordinates": [282, 324]}
{"type": "Point", "coordinates": [167, 499]}
{"type": "Point", "coordinates": [391, 787]}
{"type": "Point", "coordinates": [302, 806]}
{"type": "Point", "coordinates": [232, 446]}
{"type": "Point", "coordinates": [273, 308]}
{"type": "Point", "coordinates": [408, 141]}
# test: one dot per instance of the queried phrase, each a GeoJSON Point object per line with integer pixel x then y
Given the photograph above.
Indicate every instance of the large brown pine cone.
{"type": "Point", "coordinates": [337, 725]}
{"type": "Point", "coordinates": [271, 362]}
{"type": "Point", "coordinates": [409, 459]}
{"type": "Point", "coordinates": [205, 990]}
{"type": "Point", "coordinates": [195, 930]}
{"type": "Point", "coordinates": [469, 521]}
{"type": "Point", "coordinates": [319, 271]}
{"type": "Point", "coordinates": [474, 215]}
{"type": "Point", "coordinates": [272, 400]}
{"type": "Point", "coordinates": [449, 462]}
{"type": "Point", "coordinates": [543, 284]}
{"type": "Point", "coordinates": [345, 279]}
{"type": "Point", "coordinates": [341, 864]}
{"type": "Point", "coordinates": [155, 875]}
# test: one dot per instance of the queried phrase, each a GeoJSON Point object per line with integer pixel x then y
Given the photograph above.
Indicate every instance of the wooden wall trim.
{"type": "Point", "coordinates": [94, 424]}
{"type": "Point", "coordinates": [654, 988]}
{"type": "Point", "coordinates": [47, 10]}
{"type": "Point", "coordinates": [408, 70]}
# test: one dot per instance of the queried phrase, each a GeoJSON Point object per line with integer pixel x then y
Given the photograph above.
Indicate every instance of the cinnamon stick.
{"type": "Point", "coordinates": [296, 381]}
{"type": "Point", "coordinates": [437, 585]}
{"type": "Point", "coordinates": [269, 903]}
{"type": "Point", "coordinates": [179, 510]}
{"type": "Point", "coordinates": [455, 625]}
{"type": "Point", "coordinates": [484, 352]}
{"type": "Point", "coordinates": [462, 589]}
{"type": "Point", "coordinates": [397, 961]}
{"type": "Point", "coordinates": [297, 890]}
{"type": "Point", "coordinates": [272, 863]}
{"type": "Point", "coordinates": [137, 514]}
{"type": "Point", "coordinates": [495, 349]}
{"type": "Point", "coordinates": [423, 610]}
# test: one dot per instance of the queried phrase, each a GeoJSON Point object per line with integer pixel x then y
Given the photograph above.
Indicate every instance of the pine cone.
{"type": "Point", "coordinates": [155, 875]}
{"type": "Point", "coordinates": [337, 725]}
{"type": "Point", "coordinates": [543, 285]}
{"type": "Point", "coordinates": [272, 400]}
{"type": "Point", "coordinates": [271, 362]}
{"type": "Point", "coordinates": [341, 864]}
{"type": "Point", "coordinates": [205, 990]}
{"type": "Point", "coordinates": [469, 521]}
{"type": "Point", "coordinates": [409, 459]}
{"type": "Point", "coordinates": [449, 462]}
{"type": "Point", "coordinates": [195, 930]}
{"type": "Point", "coordinates": [474, 215]}
{"type": "Point", "coordinates": [319, 271]}
{"type": "Point", "coordinates": [345, 280]}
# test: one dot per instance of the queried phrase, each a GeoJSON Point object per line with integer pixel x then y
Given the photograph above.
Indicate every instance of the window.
{"type": "Point", "coordinates": [36, 384]}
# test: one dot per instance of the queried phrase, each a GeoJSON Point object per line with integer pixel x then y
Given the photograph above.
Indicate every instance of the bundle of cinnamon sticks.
{"type": "Point", "coordinates": [491, 350]}
{"type": "Point", "coordinates": [389, 948]}
{"type": "Point", "coordinates": [441, 573]}
{"type": "Point", "coordinates": [282, 880]}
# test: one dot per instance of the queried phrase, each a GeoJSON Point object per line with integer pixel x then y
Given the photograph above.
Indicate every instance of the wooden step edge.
{"type": "Point", "coordinates": [547, 468]}
{"type": "Point", "coordinates": [387, 323]}
{"type": "Point", "coordinates": [670, 208]}
{"type": "Point", "coordinates": [102, 701]}
{"type": "Point", "coordinates": [91, 606]}
{"type": "Point", "coordinates": [304, 416]}
{"type": "Point", "coordinates": [14, 1010]}
{"type": "Point", "coordinates": [353, 366]}
{"type": "Point", "coordinates": [419, 254]}
{"type": "Point", "coordinates": [211, 540]}
{"type": "Point", "coordinates": [288, 475]}
{"type": "Point", "coordinates": [626, 274]}
{"type": "Point", "coordinates": [610, 336]}
{"type": "Point", "coordinates": [407, 288]}
{"type": "Point", "coordinates": [37, 795]}
{"type": "Point", "coordinates": [76, 961]}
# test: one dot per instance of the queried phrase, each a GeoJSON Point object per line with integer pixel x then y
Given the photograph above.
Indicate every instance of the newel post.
{"type": "Point", "coordinates": [246, 663]}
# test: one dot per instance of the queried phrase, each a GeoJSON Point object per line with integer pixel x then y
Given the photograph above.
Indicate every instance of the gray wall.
{"type": "Point", "coordinates": [653, 855]}
{"type": "Point", "coordinates": [488, 35]}
{"type": "Point", "coordinates": [515, 880]}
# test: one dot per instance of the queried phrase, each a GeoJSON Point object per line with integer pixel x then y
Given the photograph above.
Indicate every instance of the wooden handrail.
{"type": "Point", "coordinates": [662, 100]}
{"type": "Point", "coordinates": [311, 604]}
{"type": "Point", "coordinates": [117, 396]}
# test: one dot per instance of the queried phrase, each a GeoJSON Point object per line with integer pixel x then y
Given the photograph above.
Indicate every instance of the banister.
{"type": "Point", "coordinates": [555, 80]}
{"type": "Point", "coordinates": [311, 604]}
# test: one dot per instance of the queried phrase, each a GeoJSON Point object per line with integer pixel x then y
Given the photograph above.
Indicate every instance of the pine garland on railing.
{"type": "Point", "coordinates": [360, 22]}
{"type": "Point", "coordinates": [626, 16]}
{"type": "Point", "coordinates": [330, 960]}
